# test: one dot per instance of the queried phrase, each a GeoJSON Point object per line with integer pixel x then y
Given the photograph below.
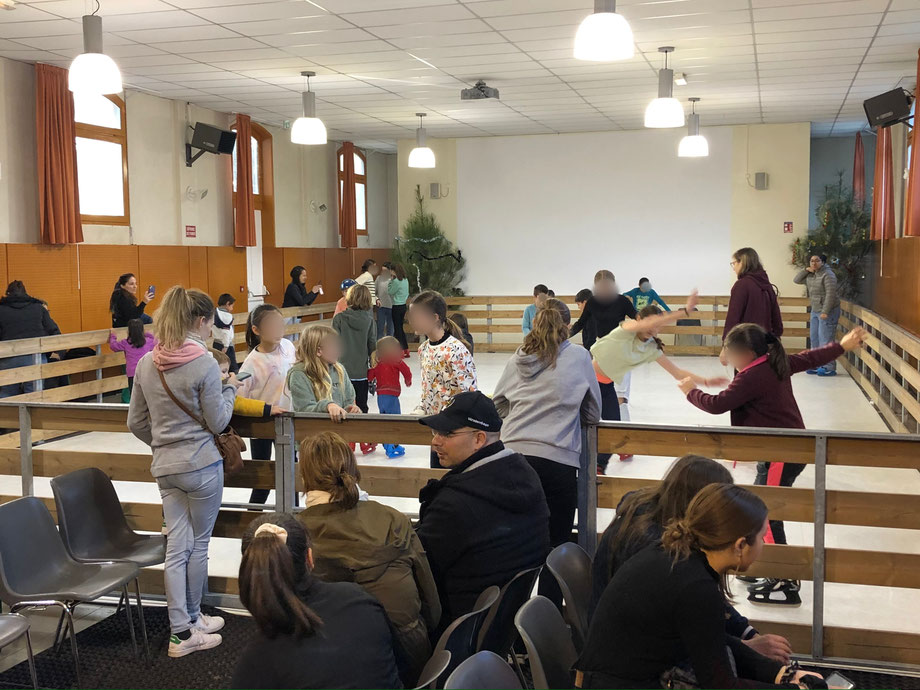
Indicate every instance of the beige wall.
{"type": "Point", "coordinates": [757, 217]}
{"type": "Point", "coordinates": [445, 172]}
{"type": "Point", "coordinates": [18, 166]}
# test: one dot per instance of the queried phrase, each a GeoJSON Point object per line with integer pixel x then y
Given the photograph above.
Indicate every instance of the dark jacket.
{"type": "Point", "coordinates": [374, 546]}
{"type": "Point", "coordinates": [753, 300]}
{"type": "Point", "coordinates": [125, 308]}
{"type": "Point", "coordinates": [756, 397]}
{"type": "Point", "coordinates": [352, 649]}
{"type": "Point", "coordinates": [296, 295]}
{"type": "Point", "coordinates": [481, 524]}
{"type": "Point", "coordinates": [602, 315]}
{"type": "Point", "coordinates": [358, 332]}
{"type": "Point", "coordinates": [656, 614]}
{"type": "Point", "coordinates": [22, 316]}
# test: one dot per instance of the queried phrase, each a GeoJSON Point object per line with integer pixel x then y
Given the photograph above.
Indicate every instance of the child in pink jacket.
{"type": "Point", "coordinates": [138, 343]}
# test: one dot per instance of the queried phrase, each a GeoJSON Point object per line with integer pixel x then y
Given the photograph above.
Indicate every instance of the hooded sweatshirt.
{"type": "Point", "coordinates": [543, 405]}
{"type": "Point", "coordinates": [375, 546]}
{"type": "Point", "coordinates": [358, 332]}
{"type": "Point", "coordinates": [22, 316]}
{"type": "Point", "coordinates": [179, 443]}
{"type": "Point", "coordinates": [600, 316]}
{"type": "Point", "coordinates": [481, 524]}
{"type": "Point", "coordinates": [222, 330]}
{"type": "Point", "coordinates": [753, 300]}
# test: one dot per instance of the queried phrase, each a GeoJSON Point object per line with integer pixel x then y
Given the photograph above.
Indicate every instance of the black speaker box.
{"type": "Point", "coordinates": [888, 108]}
{"type": "Point", "coordinates": [213, 139]}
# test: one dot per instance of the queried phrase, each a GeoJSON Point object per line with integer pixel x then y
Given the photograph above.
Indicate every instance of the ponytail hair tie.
{"type": "Point", "coordinates": [272, 530]}
{"type": "Point", "coordinates": [771, 339]}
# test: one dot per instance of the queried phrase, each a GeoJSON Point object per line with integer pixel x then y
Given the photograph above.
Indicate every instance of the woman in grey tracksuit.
{"type": "Point", "coordinates": [821, 287]}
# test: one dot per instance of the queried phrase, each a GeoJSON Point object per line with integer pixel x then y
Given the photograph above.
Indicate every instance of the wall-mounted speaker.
{"type": "Point", "coordinates": [761, 181]}
{"type": "Point", "coordinates": [888, 108]}
{"type": "Point", "coordinates": [434, 190]}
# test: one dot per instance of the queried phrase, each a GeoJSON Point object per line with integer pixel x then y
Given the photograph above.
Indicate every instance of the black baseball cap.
{"type": "Point", "coordinates": [471, 409]}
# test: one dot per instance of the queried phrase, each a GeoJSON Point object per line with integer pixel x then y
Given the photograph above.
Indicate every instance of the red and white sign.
{"type": "Point", "coordinates": [787, 227]}
{"type": "Point", "coordinates": [192, 231]}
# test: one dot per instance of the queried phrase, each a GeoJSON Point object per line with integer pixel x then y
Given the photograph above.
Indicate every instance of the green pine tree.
{"type": "Point", "coordinates": [842, 234]}
{"type": "Point", "coordinates": [430, 259]}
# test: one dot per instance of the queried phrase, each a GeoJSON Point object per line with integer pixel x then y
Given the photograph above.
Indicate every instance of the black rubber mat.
{"type": "Point", "coordinates": [107, 659]}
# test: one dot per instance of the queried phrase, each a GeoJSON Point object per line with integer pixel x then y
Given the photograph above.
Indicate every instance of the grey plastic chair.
{"type": "Point", "coordinates": [461, 637]}
{"type": "Point", "coordinates": [433, 670]}
{"type": "Point", "coordinates": [37, 572]}
{"type": "Point", "coordinates": [483, 671]}
{"type": "Point", "coordinates": [12, 627]}
{"type": "Point", "coordinates": [548, 642]}
{"type": "Point", "coordinates": [571, 566]}
{"type": "Point", "coordinates": [94, 528]}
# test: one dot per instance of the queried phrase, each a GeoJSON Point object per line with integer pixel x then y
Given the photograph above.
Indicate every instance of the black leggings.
{"type": "Point", "coordinates": [610, 412]}
{"type": "Point", "coordinates": [791, 470]}
{"type": "Point", "coordinates": [399, 323]}
{"type": "Point", "coordinates": [361, 394]}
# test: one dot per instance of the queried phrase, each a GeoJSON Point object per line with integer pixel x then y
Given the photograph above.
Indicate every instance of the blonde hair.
{"type": "Point", "coordinates": [358, 297]}
{"type": "Point", "coordinates": [177, 314]}
{"type": "Point", "coordinates": [548, 333]}
{"type": "Point", "coordinates": [327, 463]}
{"type": "Point", "coordinates": [220, 356]}
{"type": "Point", "coordinates": [307, 352]}
{"type": "Point", "coordinates": [388, 341]}
{"type": "Point", "coordinates": [604, 274]}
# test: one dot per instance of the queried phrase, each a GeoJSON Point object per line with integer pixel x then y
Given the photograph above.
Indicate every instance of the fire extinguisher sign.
{"type": "Point", "coordinates": [787, 227]}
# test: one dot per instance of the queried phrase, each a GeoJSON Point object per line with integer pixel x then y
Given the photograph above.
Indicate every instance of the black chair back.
{"type": "Point", "coordinates": [483, 671]}
{"type": "Point", "coordinates": [548, 642]}
{"type": "Point", "coordinates": [498, 631]}
{"type": "Point", "coordinates": [571, 566]}
{"type": "Point", "coordinates": [461, 637]}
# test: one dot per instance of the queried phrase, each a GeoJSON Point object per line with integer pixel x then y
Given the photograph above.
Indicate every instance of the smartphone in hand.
{"type": "Point", "coordinates": [243, 375]}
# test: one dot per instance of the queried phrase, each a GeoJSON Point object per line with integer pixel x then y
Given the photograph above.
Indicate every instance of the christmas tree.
{"type": "Point", "coordinates": [430, 259]}
{"type": "Point", "coordinates": [842, 234]}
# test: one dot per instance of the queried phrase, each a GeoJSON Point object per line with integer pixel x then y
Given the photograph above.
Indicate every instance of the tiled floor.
{"type": "Point", "coordinates": [833, 404]}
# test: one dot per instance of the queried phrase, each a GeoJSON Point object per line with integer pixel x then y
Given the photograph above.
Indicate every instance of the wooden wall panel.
{"type": "Point", "coordinates": [164, 267]}
{"type": "Point", "coordinates": [100, 266]}
{"type": "Point", "coordinates": [49, 273]}
{"type": "Point", "coordinates": [313, 261]}
{"type": "Point", "coordinates": [198, 270]}
{"type": "Point", "coordinates": [338, 267]}
{"type": "Point", "coordinates": [893, 289]}
{"type": "Point", "coordinates": [274, 274]}
{"type": "Point", "coordinates": [227, 273]}
{"type": "Point", "coordinates": [4, 275]}
{"type": "Point", "coordinates": [358, 256]}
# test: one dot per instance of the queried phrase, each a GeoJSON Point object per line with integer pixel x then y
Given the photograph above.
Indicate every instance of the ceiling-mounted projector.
{"type": "Point", "coordinates": [478, 92]}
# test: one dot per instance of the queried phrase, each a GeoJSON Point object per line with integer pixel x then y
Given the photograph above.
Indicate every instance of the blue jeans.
{"type": "Point", "coordinates": [388, 404]}
{"type": "Point", "coordinates": [191, 501]}
{"type": "Point", "coordinates": [385, 321]}
{"type": "Point", "coordinates": [823, 332]}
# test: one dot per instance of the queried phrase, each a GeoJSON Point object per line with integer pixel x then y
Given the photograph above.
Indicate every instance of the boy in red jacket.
{"type": "Point", "coordinates": [390, 365]}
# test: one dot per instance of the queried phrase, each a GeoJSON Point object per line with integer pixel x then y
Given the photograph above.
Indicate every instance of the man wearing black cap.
{"type": "Point", "coordinates": [486, 519]}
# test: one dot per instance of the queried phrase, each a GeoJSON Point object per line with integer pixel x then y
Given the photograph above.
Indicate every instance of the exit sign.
{"type": "Point", "coordinates": [191, 231]}
{"type": "Point", "coordinates": [787, 227]}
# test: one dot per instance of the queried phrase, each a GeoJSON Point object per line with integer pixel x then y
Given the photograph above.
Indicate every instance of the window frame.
{"type": "Point", "coordinates": [359, 179]}
{"type": "Point", "coordinates": [260, 177]}
{"type": "Point", "coordinates": [119, 136]}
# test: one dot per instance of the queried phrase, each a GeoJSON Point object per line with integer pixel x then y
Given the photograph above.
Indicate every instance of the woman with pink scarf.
{"type": "Point", "coordinates": [186, 462]}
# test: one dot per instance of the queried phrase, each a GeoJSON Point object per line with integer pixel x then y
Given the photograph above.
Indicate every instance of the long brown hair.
{"type": "Point", "coordinates": [753, 338]}
{"type": "Point", "coordinates": [273, 572]}
{"type": "Point", "coordinates": [716, 518]}
{"type": "Point", "coordinates": [657, 505]}
{"type": "Point", "coordinates": [651, 310]}
{"type": "Point", "coordinates": [178, 312]}
{"type": "Point", "coordinates": [327, 463]}
{"type": "Point", "coordinates": [399, 271]}
{"type": "Point", "coordinates": [435, 303]}
{"type": "Point", "coordinates": [749, 260]}
{"type": "Point", "coordinates": [548, 333]}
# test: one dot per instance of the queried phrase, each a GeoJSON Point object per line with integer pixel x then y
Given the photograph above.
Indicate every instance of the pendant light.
{"type": "Point", "coordinates": [665, 111]}
{"type": "Point", "coordinates": [694, 145]}
{"type": "Point", "coordinates": [605, 35]}
{"type": "Point", "coordinates": [308, 129]}
{"type": "Point", "coordinates": [93, 72]}
{"type": "Point", "coordinates": [421, 156]}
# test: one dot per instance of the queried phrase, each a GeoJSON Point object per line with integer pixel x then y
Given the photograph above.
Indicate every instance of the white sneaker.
{"type": "Point", "coordinates": [208, 624]}
{"type": "Point", "coordinates": [196, 643]}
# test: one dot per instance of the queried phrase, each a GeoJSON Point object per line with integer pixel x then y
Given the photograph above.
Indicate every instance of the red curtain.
{"type": "Point", "coordinates": [859, 172]}
{"type": "Point", "coordinates": [244, 224]}
{"type": "Point", "coordinates": [883, 189]}
{"type": "Point", "coordinates": [348, 222]}
{"type": "Point", "coordinates": [58, 194]}
{"type": "Point", "coordinates": [912, 214]}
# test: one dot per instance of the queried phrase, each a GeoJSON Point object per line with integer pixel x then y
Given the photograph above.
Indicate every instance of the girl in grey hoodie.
{"type": "Point", "coordinates": [186, 463]}
{"type": "Point", "coordinates": [548, 389]}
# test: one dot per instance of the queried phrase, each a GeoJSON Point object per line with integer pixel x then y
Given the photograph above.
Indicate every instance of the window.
{"type": "Point", "coordinates": [102, 159]}
{"type": "Point", "coordinates": [360, 188]}
{"type": "Point", "coordinates": [256, 167]}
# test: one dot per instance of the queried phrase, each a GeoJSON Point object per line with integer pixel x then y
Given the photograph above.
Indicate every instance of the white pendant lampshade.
{"type": "Point", "coordinates": [308, 129]}
{"type": "Point", "coordinates": [694, 145]}
{"type": "Point", "coordinates": [604, 36]}
{"type": "Point", "coordinates": [665, 111]}
{"type": "Point", "coordinates": [93, 72]}
{"type": "Point", "coordinates": [421, 156]}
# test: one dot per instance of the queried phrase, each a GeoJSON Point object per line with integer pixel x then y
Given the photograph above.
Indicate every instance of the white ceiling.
{"type": "Point", "coordinates": [380, 61]}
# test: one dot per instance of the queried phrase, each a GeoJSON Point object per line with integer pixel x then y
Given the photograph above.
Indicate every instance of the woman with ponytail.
{"type": "Point", "coordinates": [761, 395]}
{"type": "Point", "coordinates": [661, 620]}
{"type": "Point", "coordinates": [312, 634]}
{"type": "Point", "coordinates": [547, 391]}
{"type": "Point", "coordinates": [371, 544]}
{"type": "Point", "coordinates": [186, 463]}
{"type": "Point", "coordinates": [447, 367]}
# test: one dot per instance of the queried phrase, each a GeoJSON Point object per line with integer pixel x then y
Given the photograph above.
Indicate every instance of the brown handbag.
{"type": "Point", "coordinates": [229, 443]}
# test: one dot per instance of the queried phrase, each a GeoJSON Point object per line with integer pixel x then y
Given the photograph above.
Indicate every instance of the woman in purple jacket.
{"type": "Point", "coordinates": [753, 297]}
